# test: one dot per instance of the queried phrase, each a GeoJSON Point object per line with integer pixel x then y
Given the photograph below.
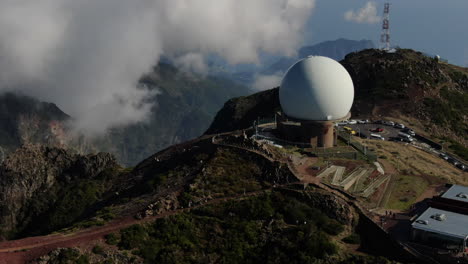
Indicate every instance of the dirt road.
{"type": "Point", "coordinates": [28, 249]}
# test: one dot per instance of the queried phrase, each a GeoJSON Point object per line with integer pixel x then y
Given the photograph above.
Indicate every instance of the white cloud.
{"type": "Point", "coordinates": [88, 55]}
{"type": "Point", "coordinates": [265, 82]}
{"type": "Point", "coordinates": [366, 14]}
{"type": "Point", "coordinates": [191, 62]}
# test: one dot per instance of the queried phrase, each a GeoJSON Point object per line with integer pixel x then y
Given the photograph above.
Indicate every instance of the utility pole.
{"type": "Point", "coordinates": [385, 36]}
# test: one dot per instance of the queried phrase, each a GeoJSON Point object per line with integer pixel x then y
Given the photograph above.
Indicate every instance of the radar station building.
{"type": "Point", "coordinates": [454, 199]}
{"type": "Point", "coordinates": [315, 93]}
{"type": "Point", "coordinates": [444, 225]}
{"type": "Point", "coordinates": [441, 229]}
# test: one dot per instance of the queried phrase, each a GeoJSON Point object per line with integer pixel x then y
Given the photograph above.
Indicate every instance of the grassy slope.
{"type": "Point", "coordinates": [407, 189]}
{"type": "Point", "coordinates": [413, 161]}
{"type": "Point", "coordinates": [256, 230]}
{"type": "Point", "coordinates": [415, 172]}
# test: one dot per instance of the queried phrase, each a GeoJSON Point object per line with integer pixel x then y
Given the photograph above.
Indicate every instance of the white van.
{"type": "Point", "coordinates": [406, 136]}
{"type": "Point", "coordinates": [342, 123]}
{"type": "Point", "coordinates": [376, 136]}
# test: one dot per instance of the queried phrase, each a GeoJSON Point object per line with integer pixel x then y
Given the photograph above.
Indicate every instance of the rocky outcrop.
{"type": "Point", "coordinates": [36, 173]}
{"type": "Point", "coordinates": [331, 205]}
{"type": "Point", "coordinates": [328, 203]}
{"type": "Point", "coordinates": [25, 120]}
{"type": "Point", "coordinates": [239, 113]}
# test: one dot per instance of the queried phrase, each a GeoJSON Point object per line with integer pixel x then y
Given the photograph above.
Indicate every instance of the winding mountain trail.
{"type": "Point", "coordinates": [28, 249]}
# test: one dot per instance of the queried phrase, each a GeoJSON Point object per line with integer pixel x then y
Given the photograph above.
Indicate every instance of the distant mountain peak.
{"type": "Point", "coordinates": [335, 49]}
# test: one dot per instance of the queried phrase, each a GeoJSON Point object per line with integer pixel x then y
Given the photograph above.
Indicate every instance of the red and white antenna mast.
{"type": "Point", "coordinates": [385, 37]}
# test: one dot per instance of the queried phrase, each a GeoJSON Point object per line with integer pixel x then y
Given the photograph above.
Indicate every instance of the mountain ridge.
{"type": "Point", "coordinates": [404, 84]}
{"type": "Point", "coordinates": [335, 49]}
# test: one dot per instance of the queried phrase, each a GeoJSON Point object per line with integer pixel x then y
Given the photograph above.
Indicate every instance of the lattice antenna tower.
{"type": "Point", "coordinates": [385, 37]}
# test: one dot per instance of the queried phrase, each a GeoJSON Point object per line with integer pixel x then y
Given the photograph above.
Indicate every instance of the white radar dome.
{"type": "Point", "coordinates": [316, 88]}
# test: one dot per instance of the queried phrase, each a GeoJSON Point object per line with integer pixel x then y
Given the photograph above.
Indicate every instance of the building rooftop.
{"type": "Point", "coordinates": [457, 192]}
{"type": "Point", "coordinates": [442, 222]}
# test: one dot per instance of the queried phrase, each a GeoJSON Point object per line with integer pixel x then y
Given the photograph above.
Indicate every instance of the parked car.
{"type": "Point", "coordinates": [403, 135]}
{"type": "Point", "coordinates": [389, 123]}
{"type": "Point", "coordinates": [362, 121]}
{"type": "Point", "coordinates": [342, 123]}
{"type": "Point", "coordinates": [378, 122]}
{"type": "Point", "coordinates": [409, 131]}
{"type": "Point", "coordinates": [378, 129]}
{"type": "Point", "coordinates": [396, 139]}
{"type": "Point", "coordinates": [461, 166]}
{"type": "Point", "coordinates": [349, 130]}
{"type": "Point", "coordinates": [409, 139]}
{"type": "Point", "coordinates": [377, 136]}
{"type": "Point", "coordinates": [352, 122]}
{"type": "Point", "coordinates": [399, 126]}
{"type": "Point", "coordinates": [443, 156]}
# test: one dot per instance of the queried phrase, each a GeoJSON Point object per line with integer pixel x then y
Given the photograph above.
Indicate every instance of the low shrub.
{"type": "Point", "coordinates": [112, 239]}
{"type": "Point", "coordinates": [97, 249]}
{"type": "Point", "coordinates": [352, 239]}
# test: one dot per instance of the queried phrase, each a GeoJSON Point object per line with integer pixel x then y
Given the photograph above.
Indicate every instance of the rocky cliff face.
{"type": "Point", "coordinates": [241, 112]}
{"type": "Point", "coordinates": [25, 120]}
{"type": "Point", "coordinates": [32, 177]}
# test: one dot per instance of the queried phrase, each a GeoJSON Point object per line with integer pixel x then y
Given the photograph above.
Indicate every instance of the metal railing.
{"type": "Point", "coordinates": [347, 137]}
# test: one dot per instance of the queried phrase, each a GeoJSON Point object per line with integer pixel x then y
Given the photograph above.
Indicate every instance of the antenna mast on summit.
{"type": "Point", "coordinates": [385, 37]}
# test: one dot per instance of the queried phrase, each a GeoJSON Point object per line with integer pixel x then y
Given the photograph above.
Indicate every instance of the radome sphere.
{"type": "Point", "coordinates": [316, 89]}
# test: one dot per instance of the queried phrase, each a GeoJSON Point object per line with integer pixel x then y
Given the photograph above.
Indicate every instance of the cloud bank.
{"type": "Point", "coordinates": [265, 82]}
{"type": "Point", "coordinates": [366, 14]}
{"type": "Point", "coordinates": [88, 55]}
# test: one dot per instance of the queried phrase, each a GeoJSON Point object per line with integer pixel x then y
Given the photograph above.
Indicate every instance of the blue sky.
{"type": "Point", "coordinates": [432, 26]}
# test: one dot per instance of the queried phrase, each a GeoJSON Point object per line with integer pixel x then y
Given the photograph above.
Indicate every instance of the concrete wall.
{"type": "Point", "coordinates": [318, 134]}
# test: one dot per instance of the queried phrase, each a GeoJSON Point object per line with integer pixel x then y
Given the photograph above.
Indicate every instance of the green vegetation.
{"type": "Point", "coordinates": [67, 256]}
{"type": "Point", "coordinates": [271, 228]}
{"type": "Point", "coordinates": [159, 179]}
{"type": "Point", "coordinates": [406, 189]}
{"type": "Point", "coordinates": [352, 239]}
{"type": "Point", "coordinates": [112, 239]}
{"type": "Point", "coordinates": [74, 201]}
{"type": "Point", "coordinates": [68, 203]}
{"type": "Point", "coordinates": [458, 76]}
{"type": "Point", "coordinates": [459, 150]}
{"type": "Point", "coordinates": [449, 110]}
{"type": "Point", "coordinates": [100, 219]}
{"type": "Point", "coordinates": [227, 173]}
{"type": "Point", "coordinates": [77, 199]}
{"type": "Point", "coordinates": [97, 249]}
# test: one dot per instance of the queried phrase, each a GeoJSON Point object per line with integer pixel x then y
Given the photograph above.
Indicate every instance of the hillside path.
{"type": "Point", "coordinates": [28, 249]}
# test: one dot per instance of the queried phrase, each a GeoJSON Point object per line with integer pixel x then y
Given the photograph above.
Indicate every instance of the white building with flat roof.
{"type": "Point", "coordinates": [441, 229]}
{"type": "Point", "coordinates": [457, 192]}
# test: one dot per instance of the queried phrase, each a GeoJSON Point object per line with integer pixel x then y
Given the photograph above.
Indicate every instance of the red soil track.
{"type": "Point", "coordinates": [28, 249]}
